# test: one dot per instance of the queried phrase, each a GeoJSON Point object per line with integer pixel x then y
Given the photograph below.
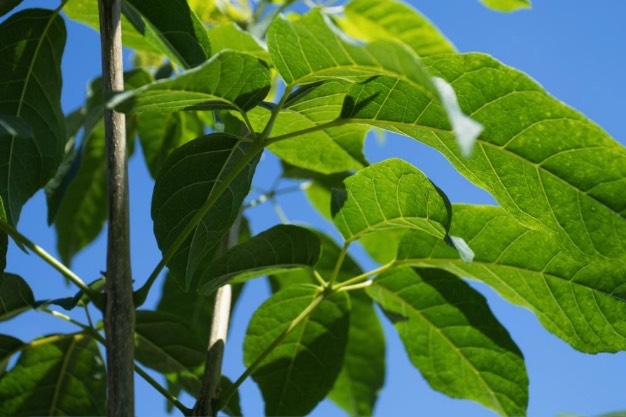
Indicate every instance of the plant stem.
{"type": "Point", "coordinates": [164, 392]}
{"type": "Point", "coordinates": [119, 317]}
{"type": "Point", "coordinates": [51, 260]}
{"type": "Point", "coordinates": [363, 277]}
{"type": "Point", "coordinates": [338, 264]}
{"type": "Point", "coordinates": [253, 367]}
{"type": "Point", "coordinates": [270, 124]}
{"type": "Point", "coordinates": [142, 293]}
{"type": "Point", "coordinates": [354, 286]}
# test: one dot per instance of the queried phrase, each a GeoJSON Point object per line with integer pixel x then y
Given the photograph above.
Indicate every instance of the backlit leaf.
{"type": "Point", "coordinates": [580, 300]}
{"type": "Point", "coordinates": [507, 5]}
{"type": "Point", "coordinates": [452, 337]}
{"type": "Point", "coordinates": [63, 378]}
{"type": "Point", "coordinates": [30, 86]}
{"type": "Point", "coordinates": [230, 36]}
{"type": "Point", "coordinates": [300, 371]}
{"type": "Point", "coordinates": [387, 195]}
{"type": "Point", "coordinates": [281, 248]}
{"type": "Point", "coordinates": [16, 296]}
{"type": "Point", "coordinates": [189, 177]}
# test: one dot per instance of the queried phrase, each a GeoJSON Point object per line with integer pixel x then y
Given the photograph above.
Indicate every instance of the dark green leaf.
{"type": "Point", "coordinates": [9, 346]}
{"type": "Point", "coordinates": [4, 240]}
{"type": "Point", "coordinates": [190, 175]}
{"type": "Point", "coordinates": [371, 20]}
{"type": "Point", "coordinates": [15, 296]}
{"type": "Point", "coordinates": [171, 26]}
{"type": "Point", "coordinates": [80, 298]}
{"type": "Point", "coordinates": [545, 163]}
{"type": "Point", "coordinates": [7, 5]}
{"type": "Point", "coordinates": [278, 249]}
{"type": "Point", "coordinates": [161, 133]}
{"type": "Point", "coordinates": [507, 5]}
{"type": "Point", "coordinates": [391, 194]}
{"type": "Point", "coordinates": [453, 338]}
{"type": "Point", "coordinates": [301, 371]}
{"type": "Point", "coordinates": [30, 86]}
{"type": "Point", "coordinates": [233, 408]}
{"type": "Point", "coordinates": [166, 343]}
{"type": "Point", "coordinates": [579, 299]}
{"type": "Point", "coordinates": [229, 80]}
{"type": "Point", "coordinates": [15, 126]}
{"type": "Point", "coordinates": [66, 377]}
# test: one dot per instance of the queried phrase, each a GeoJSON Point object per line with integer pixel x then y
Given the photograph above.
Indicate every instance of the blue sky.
{"type": "Point", "coordinates": [575, 49]}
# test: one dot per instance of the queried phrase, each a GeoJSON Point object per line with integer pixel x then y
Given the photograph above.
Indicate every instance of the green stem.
{"type": "Point", "coordinates": [354, 287]}
{"type": "Point", "coordinates": [164, 392]}
{"type": "Point", "coordinates": [359, 278]}
{"type": "Point", "coordinates": [270, 124]}
{"type": "Point", "coordinates": [338, 264]}
{"type": "Point", "coordinates": [51, 260]}
{"type": "Point", "coordinates": [334, 123]}
{"type": "Point", "coordinates": [216, 193]}
{"type": "Point", "coordinates": [319, 278]}
{"type": "Point", "coordinates": [281, 337]}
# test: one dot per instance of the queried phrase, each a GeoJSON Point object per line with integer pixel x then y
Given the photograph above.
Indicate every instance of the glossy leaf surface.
{"type": "Point", "coordinates": [281, 248]}
{"type": "Point", "coordinates": [30, 86]}
{"type": "Point", "coordinates": [190, 175]}
{"type": "Point", "coordinates": [66, 377]}
{"type": "Point", "coordinates": [452, 337]}
{"type": "Point", "coordinates": [301, 371]}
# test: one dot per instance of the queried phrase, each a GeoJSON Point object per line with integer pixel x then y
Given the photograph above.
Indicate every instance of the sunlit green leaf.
{"type": "Point", "coordinates": [30, 86]}
{"type": "Point", "coordinates": [229, 80]}
{"type": "Point", "coordinates": [190, 175]}
{"type": "Point", "coordinates": [302, 369]}
{"type": "Point", "coordinates": [161, 133]}
{"type": "Point", "coordinates": [15, 296]}
{"type": "Point", "coordinates": [453, 338]}
{"type": "Point", "coordinates": [387, 195]}
{"type": "Point", "coordinates": [9, 346]}
{"type": "Point", "coordinates": [507, 5]}
{"type": "Point", "coordinates": [60, 378]}
{"type": "Point", "coordinates": [273, 251]}
{"type": "Point", "coordinates": [166, 343]}
{"type": "Point", "coordinates": [230, 36]}
{"type": "Point", "coordinates": [371, 20]}
{"type": "Point", "coordinates": [580, 300]}
{"type": "Point", "coordinates": [526, 155]}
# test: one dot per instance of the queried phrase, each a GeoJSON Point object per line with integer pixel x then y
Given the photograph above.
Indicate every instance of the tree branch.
{"type": "Point", "coordinates": [120, 309]}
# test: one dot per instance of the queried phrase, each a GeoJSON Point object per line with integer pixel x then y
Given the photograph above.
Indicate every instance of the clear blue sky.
{"type": "Point", "coordinates": [575, 49]}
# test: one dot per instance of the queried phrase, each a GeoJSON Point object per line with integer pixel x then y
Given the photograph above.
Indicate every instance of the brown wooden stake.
{"type": "Point", "coordinates": [119, 320]}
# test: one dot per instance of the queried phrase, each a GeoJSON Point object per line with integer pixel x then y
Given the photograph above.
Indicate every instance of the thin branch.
{"type": "Point", "coordinates": [355, 286]}
{"type": "Point", "coordinates": [270, 124]}
{"type": "Point", "coordinates": [338, 264]}
{"type": "Point", "coordinates": [164, 392]}
{"type": "Point", "coordinates": [119, 317]}
{"type": "Point", "coordinates": [358, 279]}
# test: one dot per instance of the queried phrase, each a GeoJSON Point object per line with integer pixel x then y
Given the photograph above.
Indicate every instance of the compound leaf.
{"type": "Point", "coordinates": [453, 338]}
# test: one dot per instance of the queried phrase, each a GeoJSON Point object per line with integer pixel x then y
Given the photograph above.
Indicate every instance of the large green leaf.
{"type": "Point", "coordinates": [161, 133]}
{"type": "Point", "coordinates": [66, 377]}
{"type": "Point", "coordinates": [9, 346]}
{"type": "Point", "coordinates": [229, 80]}
{"type": "Point", "coordinates": [579, 299]}
{"type": "Point", "coordinates": [371, 20]}
{"type": "Point", "coordinates": [32, 43]}
{"type": "Point", "coordinates": [300, 371]}
{"type": "Point", "coordinates": [16, 296]}
{"type": "Point", "coordinates": [330, 150]}
{"type": "Point", "coordinates": [283, 247]}
{"type": "Point", "coordinates": [390, 194]}
{"type": "Point", "coordinates": [190, 176]}
{"type": "Point", "coordinates": [507, 5]}
{"type": "Point", "coordinates": [166, 343]}
{"type": "Point", "coordinates": [7, 5]}
{"type": "Point", "coordinates": [230, 36]}
{"type": "Point", "coordinates": [545, 163]}
{"type": "Point", "coordinates": [453, 338]}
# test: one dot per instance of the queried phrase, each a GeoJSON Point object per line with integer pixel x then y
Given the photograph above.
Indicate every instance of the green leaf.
{"type": "Point", "coordinates": [233, 408]}
{"type": "Point", "coordinates": [30, 86]}
{"type": "Point", "coordinates": [507, 5]}
{"type": "Point", "coordinates": [66, 377]}
{"type": "Point", "coordinates": [453, 338]}
{"type": "Point", "coordinates": [4, 241]}
{"type": "Point", "coordinates": [363, 373]}
{"type": "Point", "coordinates": [302, 369]}
{"type": "Point", "coordinates": [159, 134]}
{"type": "Point", "coordinates": [578, 299]}
{"type": "Point", "coordinates": [16, 296]}
{"type": "Point", "coordinates": [190, 175]}
{"type": "Point", "coordinates": [166, 343]}
{"type": "Point", "coordinates": [230, 36]}
{"type": "Point", "coordinates": [7, 5]}
{"type": "Point", "coordinates": [382, 245]}
{"type": "Point", "coordinates": [371, 20]}
{"type": "Point", "coordinates": [387, 195]}
{"type": "Point", "coordinates": [9, 346]}
{"type": "Point", "coordinates": [543, 162]}
{"type": "Point", "coordinates": [326, 151]}
{"type": "Point", "coordinates": [80, 298]}
{"type": "Point", "coordinates": [283, 247]}
{"type": "Point", "coordinates": [171, 26]}
{"type": "Point", "coordinates": [229, 80]}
